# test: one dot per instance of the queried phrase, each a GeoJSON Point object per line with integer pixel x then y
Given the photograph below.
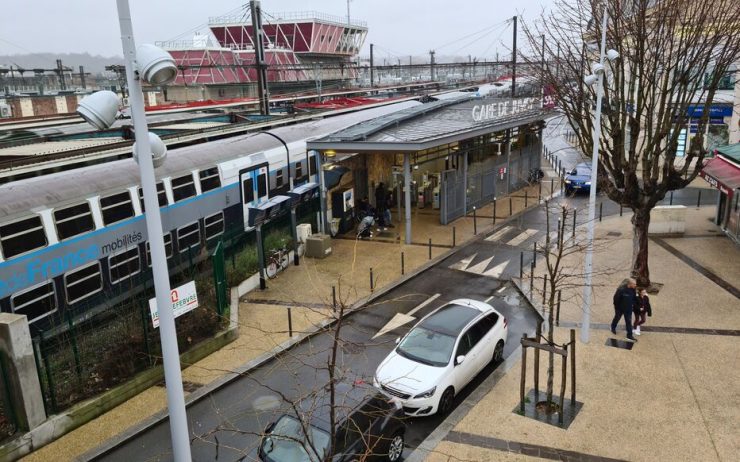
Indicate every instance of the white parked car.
{"type": "Point", "coordinates": [442, 354]}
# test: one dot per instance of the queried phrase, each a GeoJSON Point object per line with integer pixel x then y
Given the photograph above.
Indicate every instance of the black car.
{"type": "Point", "coordinates": [367, 423]}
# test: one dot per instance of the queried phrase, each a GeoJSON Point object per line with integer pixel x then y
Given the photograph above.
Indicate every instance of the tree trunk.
{"type": "Point", "coordinates": [640, 224]}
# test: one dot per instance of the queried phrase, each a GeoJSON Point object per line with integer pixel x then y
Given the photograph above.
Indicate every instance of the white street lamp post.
{"type": "Point", "coordinates": [170, 353]}
{"type": "Point", "coordinates": [588, 269]}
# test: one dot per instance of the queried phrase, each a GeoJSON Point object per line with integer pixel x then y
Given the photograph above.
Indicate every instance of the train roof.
{"type": "Point", "coordinates": [22, 196]}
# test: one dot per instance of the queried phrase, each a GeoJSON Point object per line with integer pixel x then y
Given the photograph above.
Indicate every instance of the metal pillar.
{"type": "Point", "coordinates": [160, 273]}
{"type": "Point", "coordinates": [294, 232]}
{"type": "Point", "coordinates": [322, 192]}
{"type": "Point", "coordinates": [513, 61]}
{"type": "Point", "coordinates": [465, 183]}
{"type": "Point", "coordinates": [261, 257]}
{"type": "Point", "coordinates": [372, 67]}
{"type": "Point", "coordinates": [507, 149]}
{"type": "Point", "coordinates": [407, 194]}
{"type": "Point", "coordinates": [259, 56]}
{"type": "Point", "coordinates": [586, 316]}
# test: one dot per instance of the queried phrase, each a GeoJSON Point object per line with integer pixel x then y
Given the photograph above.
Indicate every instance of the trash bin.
{"type": "Point", "coordinates": [318, 246]}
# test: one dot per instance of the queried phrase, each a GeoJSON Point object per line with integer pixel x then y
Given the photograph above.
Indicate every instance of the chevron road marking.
{"type": "Point", "coordinates": [522, 237]}
{"type": "Point", "coordinates": [399, 319]}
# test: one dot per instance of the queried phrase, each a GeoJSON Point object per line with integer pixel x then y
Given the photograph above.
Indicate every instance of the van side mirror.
{"type": "Point", "coordinates": [459, 360]}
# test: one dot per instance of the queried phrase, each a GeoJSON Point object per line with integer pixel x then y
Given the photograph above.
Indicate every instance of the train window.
{"type": "Point", "coordinates": [83, 282]}
{"type": "Point", "coordinates": [298, 170]}
{"type": "Point", "coordinates": [161, 196]}
{"type": "Point", "coordinates": [124, 264]}
{"type": "Point", "coordinates": [183, 187]}
{"type": "Point", "coordinates": [74, 220]}
{"type": "Point", "coordinates": [209, 179]}
{"type": "Point", "coordinates": [22, 236]}
{"type": "Point", "coordinates": [279, 178]}
{"type": "Point", "coordinates": [214, 225]}
{"type": "Point", "coordinates": [312, 165]}
{"type": "Point", "coordinates": [116, 207]}
{"type": "Point", "coordinates": [188, 236]}
{"type": "Point", "coordinates": [36, 302]}
{"type": "Point", "coordinates": [167, 249]}
{"type": "Point", "coordinates": [261, 185]}
{"type": "Point", "coordinates": [248, 189]}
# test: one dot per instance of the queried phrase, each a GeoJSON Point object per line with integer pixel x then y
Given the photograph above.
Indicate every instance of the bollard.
{"type": "Point", "coordinates": [475, 222]}
{"type": "Point", "coordinates": [671, 200]}
{"type": "Point", "coordinates": [698, 200]}
{"type": "Point", "coordinates": [601, 209]}
{"type": "Point", "coordinates": [531, 279]}
{"type": "Point", "coordinates": [510, 207]}
{"type": "Point", "coordinates": [557, 312]}
{"type": "Point", "coordinates": [334, 297]}
{"type": "Point", "coordinates": [534, 256]}
{"type": "Point", "coordinates": [552, 186]}
{"type": "Point", "coordinates": [526, 198]}
{"type": "Point", "coordinates": [539, 193]}
{"type": "Point", "coordinates": [544, 290]}
{"type": "Point", "coordinates": [290, 323]}
{"type": "Point", "coordinates": [453, 236]}
{"type": "Point", "coordinates": [402, 264]}
{"type": "Point", "coordinates": [521, 265]}
{"type": "Point", "coordinates": [620, 210]}
{"type": "Point", "coordinates": [574, 223]}
{"type": "Point", "coordinates": [430, 248]}
{"type": "Point", "coordinates": [372, 286]}
{"type": "Point", "coordinates": [494, 211]}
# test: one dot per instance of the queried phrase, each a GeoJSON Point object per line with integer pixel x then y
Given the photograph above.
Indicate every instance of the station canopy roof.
{"type": "Point", "coordinates": [433, 124]}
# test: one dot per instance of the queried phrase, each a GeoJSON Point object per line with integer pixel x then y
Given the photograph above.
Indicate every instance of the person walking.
{"type": "Point", "coordinates": [641, 310]}
{"type": "Point", "coordinates": [625, 300]}
{"type": "Point", "coordinates": [388, 206]}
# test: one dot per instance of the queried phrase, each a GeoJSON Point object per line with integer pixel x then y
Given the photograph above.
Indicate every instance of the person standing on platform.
{"type": "Point", "coordinates": [380, 204]}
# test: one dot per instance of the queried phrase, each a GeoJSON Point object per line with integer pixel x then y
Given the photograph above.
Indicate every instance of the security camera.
{"type": "Point", "coordinates": [99, 109]}
{"type": "Point", "coordinates": [612, 55]}
{"type": "Point", "coordinates": [590, 79]}
{"type": "Point", "coordinates": [597, 68]}
{"type": "Point", "coordinates": [158, 148]}
{"type": "Point", "coordinates": [156, 66]}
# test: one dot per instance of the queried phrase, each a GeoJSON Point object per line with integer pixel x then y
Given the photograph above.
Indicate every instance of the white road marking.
{"type": "Point", "coordinates": [497, 235]}
{"type": "Point", "coordinates": [501, 289]}
{"type": "Point", "coordinates": [480, 268]}
{"type": "Point", "coordinates": [463, 264]}
{"type": "Point", "coordinates": [399, 319]}
{"type": "Point", "coordinates": [488, 299]}
{"type": "Point", "coordinates": [522, 237]}
{"type": "Point", "coordinates": [496, 271]}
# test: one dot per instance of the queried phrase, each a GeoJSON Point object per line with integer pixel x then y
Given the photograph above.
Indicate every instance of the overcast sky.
{"type": "Point", "coordinates": [397, 27]}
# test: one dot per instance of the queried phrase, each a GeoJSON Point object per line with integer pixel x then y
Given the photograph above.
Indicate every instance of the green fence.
{"type": "Point", "coordinates": [109, 339]}
{"type": "Point", "coordinates": [8, 424]}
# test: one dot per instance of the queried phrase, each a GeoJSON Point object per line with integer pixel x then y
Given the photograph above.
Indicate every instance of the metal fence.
{"type": "Point", "coordinates": [109, 339]}
{"type": "Point", "coordinates": [8, 424]}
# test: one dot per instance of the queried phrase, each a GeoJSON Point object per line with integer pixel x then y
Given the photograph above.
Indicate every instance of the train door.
{"type": "Point", "coordinates": [254, 188]}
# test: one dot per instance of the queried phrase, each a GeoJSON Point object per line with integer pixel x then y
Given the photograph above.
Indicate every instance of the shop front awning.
{"type": "Point", "coordinates": [722, 174]}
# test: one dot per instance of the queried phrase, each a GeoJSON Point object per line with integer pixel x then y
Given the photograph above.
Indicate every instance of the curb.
{"type": "Point", "coordinates": [135, 430]}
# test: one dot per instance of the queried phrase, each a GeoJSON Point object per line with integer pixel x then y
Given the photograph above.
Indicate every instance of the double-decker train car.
{"type": "Point", "coordinates": [68, 236]}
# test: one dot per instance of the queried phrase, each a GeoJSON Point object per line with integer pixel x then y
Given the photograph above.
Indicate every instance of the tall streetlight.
{"type": "Point", "coordinates": [156, 67]}
{"type": "Point", "coordinates": [597, 78]}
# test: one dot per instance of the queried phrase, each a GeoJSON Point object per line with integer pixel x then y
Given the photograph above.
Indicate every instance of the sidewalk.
{"type": "Point", "coordinates": [307, 290]}
{"type": "Point", "coordinates": [674, 396]}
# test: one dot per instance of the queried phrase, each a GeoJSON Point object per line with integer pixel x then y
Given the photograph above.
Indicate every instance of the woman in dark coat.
{"type": "Point", "coordinates": [642, 308]}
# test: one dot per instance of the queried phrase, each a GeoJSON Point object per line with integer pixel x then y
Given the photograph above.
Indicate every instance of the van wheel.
{"type": "Point", "coordinates": [395, 448]}
{"type": "Point", "coordinates": [446, 401]}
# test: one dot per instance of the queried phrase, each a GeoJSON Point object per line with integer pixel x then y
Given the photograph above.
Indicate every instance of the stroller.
{"type": "Point", "coordinates": [364, 228]}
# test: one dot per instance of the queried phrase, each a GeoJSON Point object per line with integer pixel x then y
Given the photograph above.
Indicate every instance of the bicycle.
{"type": "Point", "coordinates": [276, 262]}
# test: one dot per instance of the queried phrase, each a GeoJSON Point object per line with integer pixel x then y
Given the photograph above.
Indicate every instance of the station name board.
{"type": "Point", "coordinates": [483, 112]}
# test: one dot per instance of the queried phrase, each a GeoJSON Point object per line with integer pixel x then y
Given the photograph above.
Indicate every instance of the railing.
{"type": "Point", "coordinates": [287, 16]}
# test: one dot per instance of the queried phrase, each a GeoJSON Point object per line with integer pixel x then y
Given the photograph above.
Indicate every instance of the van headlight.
{"type": "Point", "coordinates": [427, 394]}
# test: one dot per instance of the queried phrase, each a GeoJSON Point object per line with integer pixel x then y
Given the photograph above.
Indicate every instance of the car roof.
{"type": "Point", "coordinates": [451, 319]}
{"type": "Point", "coordinates": [347, 399]}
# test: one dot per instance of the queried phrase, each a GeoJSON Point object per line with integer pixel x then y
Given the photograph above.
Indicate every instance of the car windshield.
{"type": "Point", "coordinates": [287, 442]}
{"type": "Point", "coordinates": [581, 171]}
{"type": "Point", "coordinates": [427, 347]}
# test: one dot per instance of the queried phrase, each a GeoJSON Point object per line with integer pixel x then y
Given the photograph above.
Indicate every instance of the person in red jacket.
{"type": "Point", "coordinates": [642, 308]}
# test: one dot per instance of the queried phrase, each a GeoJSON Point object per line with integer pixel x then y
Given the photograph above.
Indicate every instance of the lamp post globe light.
{"type": "Point", "coordinates": [596, 78]}
{"type": "Point", "coordinates": [157, 67]}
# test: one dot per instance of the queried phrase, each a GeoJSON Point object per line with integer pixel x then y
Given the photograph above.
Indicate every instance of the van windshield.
{"type": "Point", "coordinates": [287, 442]}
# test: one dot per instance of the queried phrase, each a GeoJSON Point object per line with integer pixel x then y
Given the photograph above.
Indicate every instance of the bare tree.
{"type": "Point", "coordinates": [673, 55]}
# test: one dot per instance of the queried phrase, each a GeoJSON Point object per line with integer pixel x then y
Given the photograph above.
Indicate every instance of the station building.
{"type": "Point", "coordinates": [448, 155]}
{"type": "Point", "coordinates": [723, 173]}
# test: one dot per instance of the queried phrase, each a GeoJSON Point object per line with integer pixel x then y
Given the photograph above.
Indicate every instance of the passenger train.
{"type": "Point", "coordinates": [68, 236]}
